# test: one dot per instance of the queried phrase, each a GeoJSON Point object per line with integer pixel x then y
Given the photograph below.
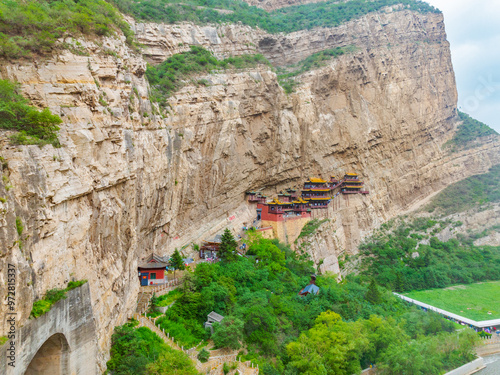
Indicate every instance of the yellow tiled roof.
{"type": "Point", "coordinates": [316, 190]}
{"type": "Point", "coordinates": [351, 174]}
{"type": "Point", "coordinates": [276, 201]}
{"type": "Point", "coordinates": [300, 200]}
{"type": "Point", "coordinates": [316, 180]}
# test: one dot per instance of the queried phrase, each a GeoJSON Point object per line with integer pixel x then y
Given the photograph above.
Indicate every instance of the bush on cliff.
{"type": "Point", "coordinates": [469, 133]}
{"type": "Point", "coordinates": [171, 75]}
{"type": "Point", "coordinates": [472, 192]}
{"type": "Point", "coordinates": [34, 126]}
{"type": "Point", "coordinates": [42, 306]}
{"type": "Point", "coordinates": [33, 26]}
{"type": "Point", "coordinates": [300, 17]}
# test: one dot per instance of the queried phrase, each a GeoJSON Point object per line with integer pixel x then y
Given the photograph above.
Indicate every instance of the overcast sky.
{"type": "Point", "coordinates": [473, 28]}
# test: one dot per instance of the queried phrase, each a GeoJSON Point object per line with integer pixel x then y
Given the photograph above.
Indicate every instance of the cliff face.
{"type": "Point", "coordinates": [128, 181]}
{"type": "Point", "coordinates": [277, 4]}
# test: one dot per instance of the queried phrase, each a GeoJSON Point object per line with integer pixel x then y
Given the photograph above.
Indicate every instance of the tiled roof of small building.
{"type": "Point", "coordinates": [311, 288]}
{"type": "Point", "coordinates": [217, 317]}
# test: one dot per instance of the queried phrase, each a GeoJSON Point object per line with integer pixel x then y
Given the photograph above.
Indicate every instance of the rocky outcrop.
{"type": "Point", "coordinates": [388, 29]}
{"type": "Point", "coordinates": [277, 4]}
{"type": "Point", "coordinates": [129, 179]}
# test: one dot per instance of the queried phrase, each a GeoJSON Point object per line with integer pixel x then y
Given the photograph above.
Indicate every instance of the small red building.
{"type": "Point", "coordinates": [279, 211]}
{"type": "Point", "coordinates": [152, 271]}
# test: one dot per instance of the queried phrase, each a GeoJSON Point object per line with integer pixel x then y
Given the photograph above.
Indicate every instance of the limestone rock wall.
{"type": "Point", "coordinates": [129, 180]}
{"type": "Point", "coordinates": [277, 4]}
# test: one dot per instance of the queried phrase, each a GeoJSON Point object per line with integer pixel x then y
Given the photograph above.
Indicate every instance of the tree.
{"type": "Point", "coordinates": [228, 333]}
{"type": "Point", "coordinates": [177, 261]}
{"type": "Point", "coordinates": [227, 249]}
{"type": "Point", "coordinates": [373, 294]}
{"type": "Point", "coordinates": [171, 362]}
{"type": "Point", "coordinates": [399, 284]}
{"type": "Point", "coordinates": [330, 347]}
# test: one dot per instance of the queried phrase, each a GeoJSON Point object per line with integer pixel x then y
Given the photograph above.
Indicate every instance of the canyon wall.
{"type": "Point", "coordinates": [130, 180]}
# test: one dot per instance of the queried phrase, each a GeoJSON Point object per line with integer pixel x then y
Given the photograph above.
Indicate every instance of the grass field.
{"type": "Point", "coordinates": [472, 301]}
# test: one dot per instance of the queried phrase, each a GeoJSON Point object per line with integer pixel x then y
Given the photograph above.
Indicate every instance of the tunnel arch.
{"type": "Point", "coordinates": [52, 358]}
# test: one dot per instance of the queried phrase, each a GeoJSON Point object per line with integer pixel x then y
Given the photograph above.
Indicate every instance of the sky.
{"type": "Point", "coordinates": [473, 29]}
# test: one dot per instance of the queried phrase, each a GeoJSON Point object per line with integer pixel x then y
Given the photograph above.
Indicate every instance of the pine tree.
{"type": "Point", "coordinates": [227, 249]}
{"type": "Point", "coordinates": [177, 261]}
{"type": "Point", "coordinates": [399, 284]}
{"type": "Point", "coordinates": [373, 294]}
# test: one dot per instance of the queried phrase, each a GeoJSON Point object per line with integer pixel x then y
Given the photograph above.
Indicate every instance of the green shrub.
{"type": "Point", "coordinates": [33, 26]}
{"type": "Point", "coordinates": [170, 75]}
{"type": "Point", "coordinates": [469, 193]}
{"type": "Point", "coordinates": [75, 284]}
{"type": "Point", "coordinates": [468, 132]}
{"type": "Point", "coordinates": [35, 127]}
{"type": "Point", "coordinates": [311, 227]}
{"type": "Point", "coordinates": [391, 262]}
{"type": "Point", "coordinates": [40, 307]}
{"type": "Point", "coordinates": [187, 332]}
{"type": "Point", "coordinates": [323, 14]}
{"type": "Point", "coordinates": [204, 355]}
{"type": "Point", "coordinates": [168, 298]}
{"type": "Point", "coordinates": [19, 226]}
{"type": "Point", "coordinates": [140, 351]}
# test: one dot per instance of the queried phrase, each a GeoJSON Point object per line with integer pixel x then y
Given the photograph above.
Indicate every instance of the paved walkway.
{"type": "Point", "coordinates": [481, 324]}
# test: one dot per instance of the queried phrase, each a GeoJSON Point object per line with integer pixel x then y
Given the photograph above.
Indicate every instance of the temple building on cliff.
{"type": "Point", "coordinates": [351, 184]}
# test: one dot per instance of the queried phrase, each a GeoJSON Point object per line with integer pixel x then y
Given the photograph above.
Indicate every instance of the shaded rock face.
{"type": "Point", "coordinates": [128, 181]}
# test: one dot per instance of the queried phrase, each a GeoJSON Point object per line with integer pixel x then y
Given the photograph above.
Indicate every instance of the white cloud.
{"type": "Point", "coordinates": [473, 30]}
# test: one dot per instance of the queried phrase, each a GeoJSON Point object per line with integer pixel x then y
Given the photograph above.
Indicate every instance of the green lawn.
{"type": "Point", "coordinates": [472, 301]}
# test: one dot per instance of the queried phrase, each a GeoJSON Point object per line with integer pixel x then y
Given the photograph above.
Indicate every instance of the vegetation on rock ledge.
{"type": "Point", "coordinates": [474, 191]}
{"type": "Point", "coordinates": [35, 127]}
{"type": "Point", "coordinates": [34, 26]}
{"type": "Point", "coordinates": [469, 132]}
{"type": "Point", "coordinates": [42, 306]}
{"type": "Point", "coordinates": [301, 17]}
{"type": "Point", "coordinates": [315, 61]}
{"type": "Point", "coordinates": [171, 75]}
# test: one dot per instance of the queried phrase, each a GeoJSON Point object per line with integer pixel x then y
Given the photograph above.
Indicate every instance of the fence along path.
{"type": "Point", "coordinates": [213, 366]}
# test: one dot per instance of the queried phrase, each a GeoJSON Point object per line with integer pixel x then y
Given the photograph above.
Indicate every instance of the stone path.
{"type": "Point", "coordinates": [214, 365]}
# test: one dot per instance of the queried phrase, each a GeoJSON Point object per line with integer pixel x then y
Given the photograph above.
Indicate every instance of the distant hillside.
{"type": "Point", "coordinates": [469, 133]}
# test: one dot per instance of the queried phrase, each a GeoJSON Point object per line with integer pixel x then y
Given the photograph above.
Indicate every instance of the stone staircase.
{"type": "Point", "coordinates": [213, 366]}
{"type": "Point", "coordinates": [215, 363]}
{"type": "Point", "coordinates": [143, 301]}
{"type": "Point", "coordinates": [147, 292]}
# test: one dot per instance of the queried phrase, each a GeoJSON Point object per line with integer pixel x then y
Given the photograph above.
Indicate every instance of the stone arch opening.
{"type": "Point", "coordinates": [52, 357]}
